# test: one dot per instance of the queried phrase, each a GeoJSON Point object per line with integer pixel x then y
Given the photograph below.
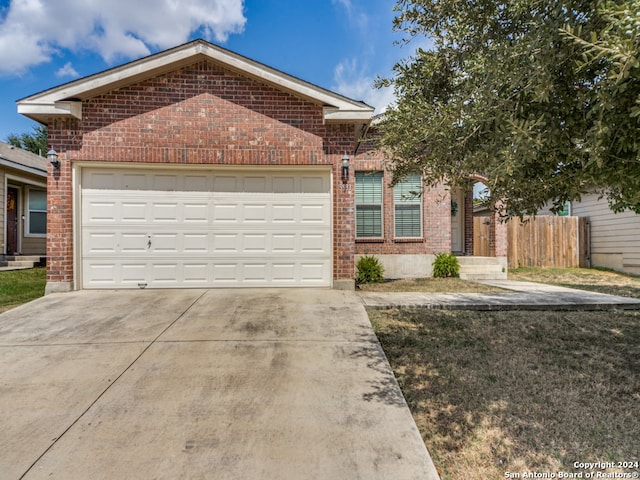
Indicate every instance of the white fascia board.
{"type": "Point", "coordinates": [36, 110]}
{"type": "Point", "coordinates": [52, 102]}
{"type": "Point", "coordinates": [333, 115]}
{"type": "Point", "coordinates": [73, 108]}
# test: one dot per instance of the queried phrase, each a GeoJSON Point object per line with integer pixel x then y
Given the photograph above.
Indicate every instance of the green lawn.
{"type": "Point", "coordinates": [20, 286]}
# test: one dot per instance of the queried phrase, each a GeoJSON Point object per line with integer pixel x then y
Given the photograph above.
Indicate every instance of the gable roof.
{"type": "Point", "coordinates": [23, 160]}
{"type": "Point", "coordinates": [66, 99]}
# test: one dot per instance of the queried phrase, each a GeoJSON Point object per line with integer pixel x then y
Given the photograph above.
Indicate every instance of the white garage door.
{"type": "Point", "coordinates": [223, 228]}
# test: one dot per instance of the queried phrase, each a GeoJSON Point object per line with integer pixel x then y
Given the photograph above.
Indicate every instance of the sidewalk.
{"type": "Point", "coordinates": [522, 296]}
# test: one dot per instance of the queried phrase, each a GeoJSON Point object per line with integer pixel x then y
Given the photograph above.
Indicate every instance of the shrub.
{"type": "Point", "coordinates": [369, 270]}
{"type": "Point", "coordinates": [446, 265]}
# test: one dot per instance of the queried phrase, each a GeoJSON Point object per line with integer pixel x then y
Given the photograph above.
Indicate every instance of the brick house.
{"type": "Point", "coordinates": [197, 167]}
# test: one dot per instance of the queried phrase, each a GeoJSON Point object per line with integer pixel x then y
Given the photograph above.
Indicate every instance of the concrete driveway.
{"type": "Point", "coordinates": [224, 384]}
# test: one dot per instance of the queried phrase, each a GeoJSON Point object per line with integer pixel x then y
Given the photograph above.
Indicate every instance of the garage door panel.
{"type": "Point", "coordinates": [313, 243]}
{"type": "Point", "coordinates": [225, 213]}
{"type": "Point", "coordinates": [312, 272]}
{"type": "Point", "coordinates": [226, 183]}
{"type": "Point", "coordinates": [254, 271]}
{"type": "Point", "coordinates": [132, 212]}
{"type": "Point", "coordinates": [206, 229]}
{"type": "Point", "coordinates": [130, 181]}
{"type": "Point", "coordinates": [164, 273]}
{"type": "Point", "coordinates": [313, 213]}
{"type": "Point", "coordinates": [225, 243]}
{"type": "Point", "coordinates": [255, 243]}
{"type": "Point", "coordinates": [284, 184]}
{"type": "Point", "coordinates": [99, 242]}
{"type": "Point", "coordinates": [165, 243]}
{"type": "Point", "coordinates": [284, 213]}
{"type": "Point", "coordinates": [314, 184]}
{"type": "Point", "coordinates": [284, 243]}
{"type": "Point", "coordinates": [102, 274]}
{"type": "Point", "coordinates": [132, 273]}
{"type": "Point", "coordinates": [101, 212]}
{"type": "Point", "coordinates": [196, 242]}
{"type": "Point", "coordinates": [132, 242]}
{"type": "Point", "coordinates": [166, 182]}
{"type": "Point", "coordinates": [196, 273]}
{"type": "Point", "coordinates": [226, 273]}
{"type": "Point", "coordinates": [255, 184]}
{"type": "Point", "coordinates": [196, 213]}
{"type": "Point", "coordinates": [254, 213]}
{"type": "Point", "coordinates": [164, 212]}
{"type": "Point", "coordinates": [284, 272]}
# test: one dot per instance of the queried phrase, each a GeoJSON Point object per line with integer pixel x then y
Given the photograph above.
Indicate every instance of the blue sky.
{"type": "Point", "coordinates": [341, 45]}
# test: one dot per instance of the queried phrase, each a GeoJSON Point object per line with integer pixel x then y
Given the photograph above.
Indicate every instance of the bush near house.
{"type": "Point", "coordinates": [369, 270]}
{"type": "Point", "coordinates": [446, 265]}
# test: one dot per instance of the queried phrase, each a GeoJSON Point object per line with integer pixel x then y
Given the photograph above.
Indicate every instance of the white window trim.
{"type": "Point", "coordinates": [27, 214]}
{"type": "Point", "coordinates": [382, 193]}
{"type": "Point", "coordinates": [421, 209]}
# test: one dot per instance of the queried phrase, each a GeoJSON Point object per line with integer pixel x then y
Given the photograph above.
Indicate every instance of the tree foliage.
{"type": "Point", "coordinates": [34, 142]}
{"type": "Point", "coordinates": [541, 98]}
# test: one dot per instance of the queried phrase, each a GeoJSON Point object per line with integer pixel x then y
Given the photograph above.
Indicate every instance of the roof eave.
{"type": "Point", "coordinates": [65, 100]}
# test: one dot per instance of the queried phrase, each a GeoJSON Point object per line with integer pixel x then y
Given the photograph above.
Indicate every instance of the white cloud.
{"type": "Point", "coordinates": [67, 71]}
{"type": "Point", "coordinates": [351, 80]}
{"type": "Point", "coordinates": [34, 31]}
{"type": "Point", "coordinates": [355, 15]}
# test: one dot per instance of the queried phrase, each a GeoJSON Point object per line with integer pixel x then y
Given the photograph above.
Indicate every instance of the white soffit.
{"type": "Point", "coordinates": [66, 100]}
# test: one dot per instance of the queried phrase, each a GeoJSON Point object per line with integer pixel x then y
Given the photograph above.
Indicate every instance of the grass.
{"type": "Point", "coordinates": [430, 285]}
{"type": "Point", "coordinates": [20, 286]}
{"type": "Point", "coordinates": [592, 279]}
{"type": "Point", "coordinates": [497, 392]}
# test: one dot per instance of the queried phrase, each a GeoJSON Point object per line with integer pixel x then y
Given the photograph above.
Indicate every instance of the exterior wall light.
{"type": "Point", "coordinates": [52, 156]}
{"type": "Point", "coordinates": [345, 168]}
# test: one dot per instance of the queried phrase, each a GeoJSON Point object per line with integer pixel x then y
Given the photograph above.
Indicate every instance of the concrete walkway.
{"type": "Point", "coordinates": [199, 384]}
{"type": "Point", "coordinates": [522, 296]}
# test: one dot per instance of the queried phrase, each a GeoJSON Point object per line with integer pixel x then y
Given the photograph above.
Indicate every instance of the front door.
{"type": "Point", "coordinates": [12, 221]}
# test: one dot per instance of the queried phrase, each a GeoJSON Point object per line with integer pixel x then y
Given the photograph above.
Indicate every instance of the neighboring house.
{"type": "Point", "coordinates": [23, 186]}
{"type": "Point", "coordinates": [614, 237]}
{"type": "Point", "coordinates": [197, 167]}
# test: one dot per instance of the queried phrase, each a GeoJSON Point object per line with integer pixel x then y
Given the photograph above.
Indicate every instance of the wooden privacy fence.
{"type": "Point", "coordinates": [542, 241]}
{"type": "Point", "coordinates": [548, 241]}
{"type": "Point", "coordinates": [481, 236]}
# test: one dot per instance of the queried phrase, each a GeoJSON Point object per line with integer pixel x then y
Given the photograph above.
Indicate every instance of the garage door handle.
{"type": "Point", "coordinates": [148, 242]}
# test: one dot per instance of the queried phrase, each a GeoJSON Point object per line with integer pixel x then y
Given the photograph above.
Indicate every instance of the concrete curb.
{"type": "Point", "coordinates": [525, 296]}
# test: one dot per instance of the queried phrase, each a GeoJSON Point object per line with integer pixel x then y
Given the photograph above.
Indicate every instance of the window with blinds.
{"type": "Point", "coordinates": [407, 200]}
{"type": "Point", "coordinates": [37, 213]}
{"type": "Point", "coordinates": [368, 204]}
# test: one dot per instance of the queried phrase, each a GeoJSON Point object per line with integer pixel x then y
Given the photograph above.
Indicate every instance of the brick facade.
{"type": "Point", "coordinates": [198, 114]}
{"type": "Point", "coordinates": [201, 111]}
{"type": "Point", "coordinates": [436, 214]}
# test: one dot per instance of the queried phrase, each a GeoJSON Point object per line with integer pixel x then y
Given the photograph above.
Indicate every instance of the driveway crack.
{"type": "Point", "coordinates": [135, 360]}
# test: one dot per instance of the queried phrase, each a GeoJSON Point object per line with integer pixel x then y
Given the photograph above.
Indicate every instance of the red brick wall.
{"type": "Point", "coordinates": [436, 214]}
{"type": "Point", "coordinates": [199, 114]}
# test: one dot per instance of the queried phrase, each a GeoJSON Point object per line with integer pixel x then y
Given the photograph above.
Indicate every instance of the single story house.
{"type": "Point", "coordinates": [23, 189]}
{"type": "Point", "coordinates": [198, 167]}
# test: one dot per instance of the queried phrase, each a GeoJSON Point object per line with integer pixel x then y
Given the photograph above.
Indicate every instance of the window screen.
{"type": "Point", "coordinates": [368, 204]}
{"type": "Point", "coordinates": [407, 201]}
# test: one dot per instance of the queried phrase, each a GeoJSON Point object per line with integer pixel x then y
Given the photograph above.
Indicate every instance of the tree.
{"type": "Point", "coordinates": [539, 97]}
{"type": "Point", "coordinates": [35, 142]}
